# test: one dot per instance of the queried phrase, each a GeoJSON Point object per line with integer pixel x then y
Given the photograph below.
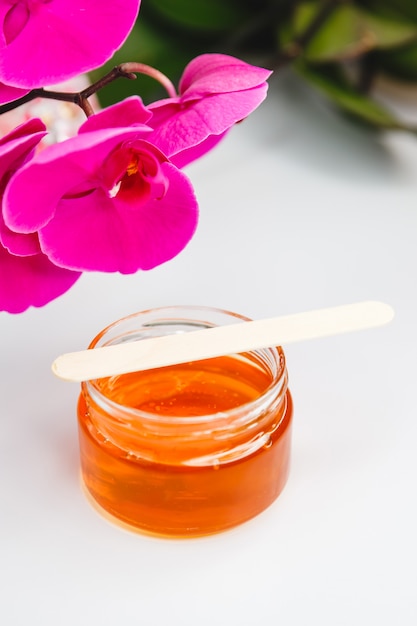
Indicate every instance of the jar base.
{"type": "Point", "coordinates": [185, 501]}
{"type": "Point", "coordinates": [175, 534]}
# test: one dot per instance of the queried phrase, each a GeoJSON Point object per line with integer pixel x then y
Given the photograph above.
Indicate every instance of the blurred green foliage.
{"type": "Point", "coordinates": [338, 46]}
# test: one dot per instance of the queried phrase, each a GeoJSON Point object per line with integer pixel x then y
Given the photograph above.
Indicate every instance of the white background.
{"type": "Point", "coordinates": [299, 210]}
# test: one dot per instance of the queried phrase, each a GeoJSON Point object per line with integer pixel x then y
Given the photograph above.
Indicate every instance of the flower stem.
{"type": "Point", "coordinates": [140, 68]}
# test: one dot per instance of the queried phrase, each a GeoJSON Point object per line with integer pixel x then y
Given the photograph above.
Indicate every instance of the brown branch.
{"type": "Point", "coordinates": [80, 98]}
{"type": "Point", "coordinates": [9, 106]}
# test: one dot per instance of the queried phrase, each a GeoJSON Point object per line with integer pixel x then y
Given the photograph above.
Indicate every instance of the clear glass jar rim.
{"type": "Point", "coordinates": [171, 315]}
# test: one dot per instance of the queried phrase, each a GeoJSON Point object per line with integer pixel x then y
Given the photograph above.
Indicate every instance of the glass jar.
{"type": "Point", "coordinates": [189, 449]}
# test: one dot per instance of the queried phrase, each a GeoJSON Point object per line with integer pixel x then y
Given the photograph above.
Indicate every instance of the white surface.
{"type": "Point", "coordinates": [299, 210]}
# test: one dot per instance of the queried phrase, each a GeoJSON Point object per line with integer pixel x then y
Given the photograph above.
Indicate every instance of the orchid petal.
{"type": "Point", "coordinates": [219, 73]}
{"type": "Point", "coordinates": [27, 277]}
{"type": "Point", "coordinates": [116, 236]}
{"type": "Point", "coordinates": [8, 93]}
{"type": "Point", "coordinates": [216, 92]}
{"type": "Point", "coordinates": [15, 20]}
{"type": "Point", "coordinates": [29, 127]}
{"type": "Point", "coordinates": [189, 125]}
{"type": "Point", "coordinates": [184, 157]}
{"type": "Point", "coordinates": [128, 112]}
{"type": "Point", "coordinates": [30, 281]}
{"type": "Point", "coordinates": [48, 41]}
{"type": "Point", "coordinates": [17, 146]}
{"type": "Point", "coordinates": [110, 201]}
{"type": "Point", "coordinates": [16, 243]}
{"type": "Point", "coordinates": [69, 167]}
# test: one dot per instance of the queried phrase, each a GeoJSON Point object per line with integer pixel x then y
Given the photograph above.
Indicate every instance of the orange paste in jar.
{"type": "Point", "coordinates": [181, 450]}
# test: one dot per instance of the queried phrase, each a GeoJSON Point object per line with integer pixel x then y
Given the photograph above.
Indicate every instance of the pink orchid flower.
{"type": "Point", "coordinates": [48, 41]}
{"type": "Point", "coordinates": [7, 93]}
{"type": "Point", "coordinates": [107, 200]}
{"type": "Point", "coordinates": [27, 277]}
{"type": "Point", "coordinates": [216, 92]}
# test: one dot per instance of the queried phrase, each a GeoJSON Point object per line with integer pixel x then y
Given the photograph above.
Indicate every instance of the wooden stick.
{"type": "Point", "coordinates": [220, 340]}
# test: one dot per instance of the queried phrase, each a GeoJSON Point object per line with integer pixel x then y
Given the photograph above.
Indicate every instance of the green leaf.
{"type": "Point", "coordinates": [349, 32]}
{"type": "Point", "coordinates": [340, 36]}
{"type": "Point", "coordinates": [389, 33]}
{"type": "Point", "coordinates": [397, 9]}
{"type": "Point", "coordinates": [400, 63]}
{"type": "Point", "coordinates": [204, 15]}
{"type": "Point", "coordinates": [334, 87]}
